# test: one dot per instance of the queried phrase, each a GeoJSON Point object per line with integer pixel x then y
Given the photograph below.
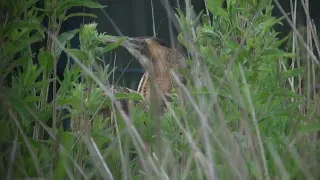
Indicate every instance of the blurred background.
{"type": "Point", "coordinates": [134, 18]}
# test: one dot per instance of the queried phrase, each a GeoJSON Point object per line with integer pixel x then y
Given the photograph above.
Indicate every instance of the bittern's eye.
{"type": "Point", "coordinates": [144, 49]}
{"type": "Point", "coordinates": [143, 44]}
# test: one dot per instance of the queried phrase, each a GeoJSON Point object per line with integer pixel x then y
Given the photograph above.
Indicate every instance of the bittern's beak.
{"type": "Point", "coordinates": [129, 43]}
{"type": "Point", "coordinates": [136, 46]}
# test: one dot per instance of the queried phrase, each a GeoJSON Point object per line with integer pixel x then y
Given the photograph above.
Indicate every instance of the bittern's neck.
{"type": "Point", "coordinates": [143, 84]}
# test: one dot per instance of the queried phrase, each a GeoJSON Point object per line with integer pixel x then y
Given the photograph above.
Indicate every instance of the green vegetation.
{"type": "Point", "coordinates": [250, 111]}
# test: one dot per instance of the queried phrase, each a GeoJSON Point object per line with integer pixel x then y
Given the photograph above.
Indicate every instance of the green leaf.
{"type": "Point", "coordinates": [45, 59]}
{"type": "Point", "coordinates": [39, 84]}
{"type": "Point", "coordinates": [72, 3]}
{"type": "Point", "coordinates": [64, 38]}
{"type": "Point", "coordinates": [34, 143]}
{"type": "Point", "coordinates": [20, 107]}
{"type": "Point", "coordinates": [292, 73]}
{"type": "Point", "coordinates": [22, 24]}
{"type": "Point", "coordinates": [30, 79]}
{"type": "Point", "coordinates": [201, 90]}
{"type": "Point", "coordinates": [205, 20]}
{"type": "Point", "coordinates": [81, 55]}
{"type": "Point", "coordinates": [21, 44]}
{"type": "Point", "coordinates": [129, 96]}
{"type": "Point", "coordinates": [180, 39]}
{"type": "Point", "coordinates": [8, 69]}
{"type": "Point", "coordinates": [45, 114]}
{"type": "Point", "coordinates": [275, 114]}
{"type": "Point", "coordinates": [67, 101]}
{"type": "Point", "coordinates": [32, 99]}
{"type": "Point", "coordinates": [287, 93]}
{"type": "Point", "coordinates": [312, 127]}
{"type": "Point", "coordinates": [215, 7]}
{"type": "Point", "coordinates": [79, 14]}
{"type": "Point", "coordinates": [277, 53]}
{"type": "Point", "coordinates": [114, 45]}
{"type": "Point", "coordinates": [67, 140]}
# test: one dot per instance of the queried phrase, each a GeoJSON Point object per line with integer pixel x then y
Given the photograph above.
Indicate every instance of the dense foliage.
{"type": "Point", "coordinates": [246, 113]}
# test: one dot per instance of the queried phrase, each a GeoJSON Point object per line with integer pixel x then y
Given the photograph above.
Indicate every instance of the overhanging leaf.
{"type": "Point", "coordinates": [278, 53]}
{"type": "Point", "coordinates": [64, 38]}
{"type": "Point", "coordinates": [128, 96]}
{"type": "Point", "coordinates": [312, 127]}
{"type": "Point", "coordinates": [22, 24]}
{"type": "Point", "coordinates": [114, 45]}
{"type": "Point", "coordinates": [79, 14]}
{"type": "Point", "coordinates": [286, 93]}
{"type": "Point", "coordinates": [72, 3]}
{"type": "Point", "coordinates": [81, 55]}
{"type": "Point", "coordinates": [21, 44]}
{"type": "Point", "coordinates": [292, 73]}
{"type": "Point", "coordinates": [215, 7]}
{"type": "Point", "coordinates": [20, 107]}
{"type": "Point", "coordinates": [45, 59]}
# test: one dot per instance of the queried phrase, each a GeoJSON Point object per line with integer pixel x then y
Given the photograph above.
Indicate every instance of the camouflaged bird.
{"type": "Point", "coordinates": [157, 59]}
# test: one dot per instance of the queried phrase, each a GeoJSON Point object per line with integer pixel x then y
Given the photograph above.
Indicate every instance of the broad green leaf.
{"type": "Point", "coordinates": [114, 45]}
{"type": "Point", "coordinates": [292, 73]}
{"type": "Point", "coordinates": [180, 39]}
{"type": "Point", "coordinates": [33, 99]}
{"type": "Point", "coordinates": [97, 126]}
{"type": "Point", "coordinates": [67, 140]}
{"type": "Point", "coordinates": [22, 24]}
{"type": "Point", "coordinates": [286, 93]}
{"type": "Point", "coordinates": [45, 59]}
{"type": "Point", "coordinates": [30, 79]}
{"type": "Point", "coordinates": [13, 64]}
{"type": "Point", "coordinates": [197, 19]}
{"type": "Point", "coordinates": [29, 4]}
{"type": "Point", "coordinates": [72, 3]}
{"type": "Point", "coordinates": [39, 84]}
{"type": "Point", "coordinates": [19, 105]}
{"type": "Point", "coordinates": [201, 90]}
{"type": "Point", "coordinates": [267, 24]}
{"type": "Point", "coordinates": [64, 38]}
{"type": "Point", "coordinates": [215, 7]}
{"type": "Point", "coordinates": [45, 114]}
{"type": "Point", "coordinates": [67, 101]}
{"type": "Point", "coordinates": [101, 136]}
{"type": "Point", "coordinates": [129, 96]}
{"type": "Point", "coordinates": [34, 143]}
{"type": "Point", "coordinates": [312, 127]}
{"type": "Point", "coordinates": [205, 20]}
{"type": "Point", "coordinates": [81, 55]}
{"type": "Point", "coordinates": [21, 44]}
{"type": "Point", "coordinates": [79, 14]}
{"type": "Point", "coordinates": [282, 41]}
{"type": "Point", "coordinates": [275, 114]}
{"type": "Point", "coordinates": [277, 53]}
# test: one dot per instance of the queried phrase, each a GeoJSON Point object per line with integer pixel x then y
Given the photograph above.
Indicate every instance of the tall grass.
{"type": "Point", "coordinates": [249, 111]}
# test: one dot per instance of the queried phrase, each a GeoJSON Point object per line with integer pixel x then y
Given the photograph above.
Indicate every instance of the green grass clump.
{"type": "Point", "coordinates": [250, 109]}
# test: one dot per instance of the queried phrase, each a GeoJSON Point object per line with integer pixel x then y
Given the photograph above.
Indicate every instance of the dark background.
{"type": "Point", "coordinates": [134, 18]}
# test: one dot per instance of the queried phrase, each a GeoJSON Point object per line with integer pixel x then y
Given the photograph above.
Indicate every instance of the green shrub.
{"type": "Point", "coordinates": [240, 117]}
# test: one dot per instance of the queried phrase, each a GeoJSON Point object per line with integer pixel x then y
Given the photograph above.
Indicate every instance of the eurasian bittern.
{"type": "Point", "coordinates": [157, 59]}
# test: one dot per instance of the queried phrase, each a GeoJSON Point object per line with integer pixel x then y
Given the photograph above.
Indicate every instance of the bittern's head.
{"type": "Point", "coordinates": [155, 55]}
{"type": "Point", "coordinates": [143, 44]}
{"type": "Point", "coordinates": [149, 41]}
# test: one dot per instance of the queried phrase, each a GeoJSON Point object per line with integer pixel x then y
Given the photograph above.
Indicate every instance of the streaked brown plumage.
{"type": "Point", "coordinates": [162, 58]}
